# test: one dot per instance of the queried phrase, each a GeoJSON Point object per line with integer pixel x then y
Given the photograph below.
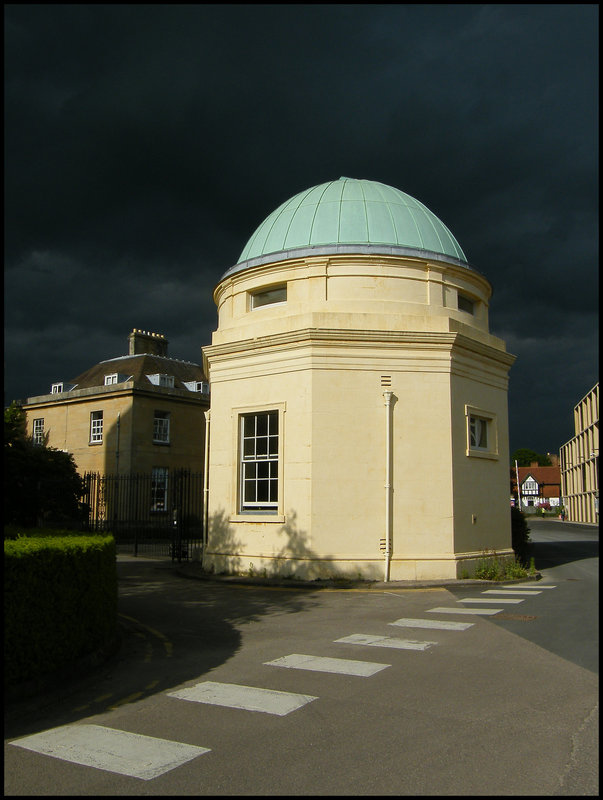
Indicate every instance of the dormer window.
{"type": "Point", "coordinates": [268, 296]}
{"type": "Point", "coordinates": [110, 379]}
{"type": "Point", "coordinates": [197, 386]}
{"type": "Point", "coordinates": [162, 380]}
{"type": "Point", "coordinates": [56, 388]}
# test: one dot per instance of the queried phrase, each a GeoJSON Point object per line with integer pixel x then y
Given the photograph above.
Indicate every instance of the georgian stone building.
{"type": "Point", "coordinates": [359, 402]}
{"type": "Point", "coordinates": [138, 413]}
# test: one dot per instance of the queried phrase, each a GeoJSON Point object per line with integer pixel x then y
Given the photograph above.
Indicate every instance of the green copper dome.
{"type": "Point", "coordinates": [350, 215]}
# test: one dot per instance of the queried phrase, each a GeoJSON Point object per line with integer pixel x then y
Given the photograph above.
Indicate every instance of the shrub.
{"type": "Point", "coordinates": [60, 601]}
{"type": "Point", "coordinates": [520, 535]}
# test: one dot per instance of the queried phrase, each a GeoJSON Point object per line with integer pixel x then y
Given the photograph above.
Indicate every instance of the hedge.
{"type": "Point", "coordinates": [60, 601]}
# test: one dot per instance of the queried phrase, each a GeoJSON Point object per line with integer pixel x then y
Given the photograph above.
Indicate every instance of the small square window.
{"type": "Point", "coordinates": [110, 379]}
{"type": "Point", "coordinates": [56, 388]}
{"type": "Point", "coordinates": [482, 433]}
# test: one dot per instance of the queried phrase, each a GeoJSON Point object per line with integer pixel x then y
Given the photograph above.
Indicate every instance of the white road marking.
{"type": "Point", "coordinates": [248, 698]}
{"type": "Point", "coordinates": [384, 641]}
{"type": "Point", "coordinates": [436, 624]}
{"type": "Point", "coordinates": [342, 666]}
{"type": "Point", "coordinates": [490, 600]}
{"type": "Point", "coordinates": [132, 754]}
{"type": "Point", "coordinates": [526, 592]}
{"type": "Point", "coordinates": [534, 586]}
{"type": "Point", "coordinates": [441, 610]}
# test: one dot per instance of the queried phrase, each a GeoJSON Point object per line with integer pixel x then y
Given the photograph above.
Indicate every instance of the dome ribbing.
{"type": "Point", "coordinates": [347, 212]}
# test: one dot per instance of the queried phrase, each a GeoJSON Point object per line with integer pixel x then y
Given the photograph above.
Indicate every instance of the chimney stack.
{"type": "Point", "coordinates": [144, 342]}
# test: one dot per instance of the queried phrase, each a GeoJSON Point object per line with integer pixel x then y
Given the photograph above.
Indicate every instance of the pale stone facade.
{"type": "Point", "coordinates": [377, 375]}
{"type": "Point", "coordinates": [580, 462]}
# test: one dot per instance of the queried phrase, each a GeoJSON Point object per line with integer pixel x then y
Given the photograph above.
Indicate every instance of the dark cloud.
{"type": "Point", "coordinates": [144, 144]}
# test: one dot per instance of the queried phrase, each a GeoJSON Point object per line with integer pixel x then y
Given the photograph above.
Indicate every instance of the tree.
{"type": "Point", "coordinates": [41, 484]}
{"type": "Point", "coordinates": [526, 457]}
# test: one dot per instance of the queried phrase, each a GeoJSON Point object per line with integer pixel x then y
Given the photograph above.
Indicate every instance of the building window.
{"type": "Point", "coordinates": [465, 304]}
{"type": "Point", "coordinates": [482, 434]}
{"type": "Point", "coordinates": [110, 379]}
{"type": "Point", "coordinates": [38, 431]}
{"type": "Point", "coordinates": [161, 427]}
{"type": "Point", "coordinates": [268, 297]}
{"type": "Point", "coordinates": [162, 380]}
{"type": "Point", "coordinates": [159, 487]}
{"type": "Point", "coordinates": [56, 388]}
{"type": "Point", "coordinates": [259, 443]}
{"type": "Point", "coordinates": [96, 427]}
{"type": "Point", "coordinates": [530, 486]}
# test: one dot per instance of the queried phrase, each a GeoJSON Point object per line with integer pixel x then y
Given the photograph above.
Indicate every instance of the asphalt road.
{"type": "Point", "coordinates": [508, 705]}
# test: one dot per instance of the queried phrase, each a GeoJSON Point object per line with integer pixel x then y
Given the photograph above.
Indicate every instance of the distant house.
{"type": "Point", "coordinates": [580, 462]}
{"type": "Point", "coordinates": [142, 412]}
{"type": "Point", "coordinates": [537, 485]}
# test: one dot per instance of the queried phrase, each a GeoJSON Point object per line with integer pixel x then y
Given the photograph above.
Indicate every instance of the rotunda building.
{"type": "Point", "coordinates": [358, 400]}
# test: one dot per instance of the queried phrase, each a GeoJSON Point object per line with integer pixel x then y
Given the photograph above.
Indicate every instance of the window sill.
{"type": "Point", "coordinates": [162, 444]}
{"type": "Point", "coordinates": [261, 517]}
{"type": "Point", "coordinates": [482, 454]}
{"type": "Point", "coordinates": [94, 444]}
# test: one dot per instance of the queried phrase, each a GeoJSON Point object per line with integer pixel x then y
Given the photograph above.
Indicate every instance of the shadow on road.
{"type": "Point", "coordinates": [172, 630]}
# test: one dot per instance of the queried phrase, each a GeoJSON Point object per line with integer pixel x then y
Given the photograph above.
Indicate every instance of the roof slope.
{"type": "Point", "coordinates": [137, 367]}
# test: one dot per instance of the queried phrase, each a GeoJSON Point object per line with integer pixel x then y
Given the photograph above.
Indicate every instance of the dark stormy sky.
{"type": "Point", "coordinates": [145, 143]}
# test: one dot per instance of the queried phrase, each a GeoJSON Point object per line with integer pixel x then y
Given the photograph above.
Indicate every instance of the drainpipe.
{"type": "Point", "coordinates": [206, 482]}
{"type": "Point", "coordinates": [388, 483]}
{"type": "Point", "coordinates": [117, 443]}
{"type": "Point", "coordinates": [518, 489]}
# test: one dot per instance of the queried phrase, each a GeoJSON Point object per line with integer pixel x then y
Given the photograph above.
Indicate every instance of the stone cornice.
{"type": "Point", "coordinates": [333, 337]}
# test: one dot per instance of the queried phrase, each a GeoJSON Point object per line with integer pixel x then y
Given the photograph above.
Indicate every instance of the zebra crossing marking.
{"type": "Point", "coordinates": [434, 624]}
{"type": "Point", "coordinates": [247, 698]}
{"type": "Point", "coordinates": [538, 586]}
{"type": "Point", "coordinates": [490, 600]}
{"type": "Point", "coordinates": [483, 611]}
{"type": "Point", "coordinates": [112, 750]}
{"type": "Point", "coordinates": [526, 592]}
{"type": "Point", "coordinates": [384, 641]}
{"type": "Point", "coordinates": [342, 666]}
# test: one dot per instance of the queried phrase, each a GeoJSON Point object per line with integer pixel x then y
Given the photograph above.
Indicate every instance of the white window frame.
{"type": "Point", "coordinates": [159, 488]}
{"type": "Point", "coordinates": [38, 431]}
{"type": "Point", "coordinates": [111, 379]}
{"type": "Point", "coordinates": [160, 379]}
{"type": "Point", "coordinates": [56, 388]}
{"type": "Point", "coordinates": [478, 422]}
{"type": "Point", "coordinates": [161, 427]}
{"type": "Point", "coordinates": [245, 511]}
{"type": "Point", "coordinates": [275, 295]}
{"type": "Point", "coordinates": [96, 427]}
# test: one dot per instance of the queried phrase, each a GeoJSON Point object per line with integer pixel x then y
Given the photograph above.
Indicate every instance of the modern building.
{"type": "Point", "coordinates": [359, 402]}
{"type": "Point", "coordinates": [580, 462]}
{"type": "Point", "coordinates": [138, 413]}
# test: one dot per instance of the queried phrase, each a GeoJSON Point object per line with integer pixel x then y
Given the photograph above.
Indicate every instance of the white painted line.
{"type": "Point", "coordinates": [248, 698]}
{"type": "Point", "coordinates": [440, 610]}
{"type": "Point", "coordinates": [526, 592]}
{"type": "Point", "coordinates": [435, 624]}
{"type": "Point", "coordinates": [490, 600]}
{"type": "Point", "coordinates": [132, 754]}
{"type": "Point", "coordinates": [384, 641]}
{"type": "Point", "coordinates": [534, 586]}
{"type": "Point", "coordinates": [342, 666]}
